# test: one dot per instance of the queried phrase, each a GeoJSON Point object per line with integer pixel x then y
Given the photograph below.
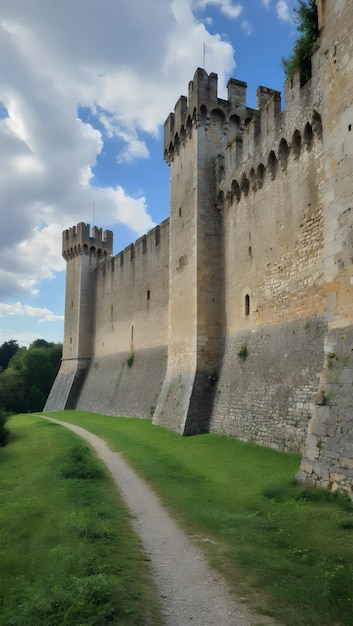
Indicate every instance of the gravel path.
{"type": "Point", "coordinates": [190, 591]}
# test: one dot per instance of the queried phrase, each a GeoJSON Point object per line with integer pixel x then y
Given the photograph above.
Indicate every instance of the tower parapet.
{"type": "Point", "coordinates": [200, 105]}
{"type": "Point", "coordinates": [77, 240]}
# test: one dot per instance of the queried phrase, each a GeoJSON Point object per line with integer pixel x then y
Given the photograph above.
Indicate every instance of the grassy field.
{"type": "Point", "coordinates": [282, 546]}
{"type": "Point", "coordinates": [68, 555]}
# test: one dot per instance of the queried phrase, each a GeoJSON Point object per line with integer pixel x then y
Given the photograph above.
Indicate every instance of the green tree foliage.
{"type": "Point", "coordinates": [3, 429]}
{"type": "Point", "coordinates": [39, 369]}
{"type": "Point", "coordinates": [12, 390]}
{"type": "Point", "coordinates": [36, 399]}
{"type": "Point", "coordinates": [7, 350]}
{"type": "Point", "coordinates": [28, 377]}
{"type": "Point", "coordinates": [306, 19]}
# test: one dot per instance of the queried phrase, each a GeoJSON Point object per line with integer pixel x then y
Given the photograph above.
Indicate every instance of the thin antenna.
{"type": "Point", "coordinates": [204, 55]}
{"type": "Point", "coordinates": [94, 213]}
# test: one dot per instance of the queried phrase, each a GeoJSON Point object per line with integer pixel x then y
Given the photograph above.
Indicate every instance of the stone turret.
{"type": "Point", "coordinates": [195, 134]}
{"type": "Point", "coordinates": [82, 253]}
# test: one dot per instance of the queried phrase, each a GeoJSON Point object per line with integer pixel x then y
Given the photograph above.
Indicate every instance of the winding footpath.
{"type": "Point", "coordinates": [190, 591]}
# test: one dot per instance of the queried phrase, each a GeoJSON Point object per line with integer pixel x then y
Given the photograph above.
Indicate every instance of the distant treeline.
{"type": "Point", "coordinates": [27, 374]}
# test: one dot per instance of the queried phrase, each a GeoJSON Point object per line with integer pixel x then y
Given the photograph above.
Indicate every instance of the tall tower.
{"type": "Point", "coordinates": [82, 254]}
{"type": "Point", "coordinates": [195, 137]}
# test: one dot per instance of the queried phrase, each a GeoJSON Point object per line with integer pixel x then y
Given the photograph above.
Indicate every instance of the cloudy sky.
{"type": "Point", "coordinates": [85, 88]}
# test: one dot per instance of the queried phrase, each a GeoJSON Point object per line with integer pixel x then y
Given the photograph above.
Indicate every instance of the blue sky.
{"type": "Point", "coordinates": [85, 89]}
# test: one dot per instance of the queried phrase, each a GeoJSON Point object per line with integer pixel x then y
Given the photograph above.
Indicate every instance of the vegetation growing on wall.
{"type": "Point", "coordinates": [130, 359]}
{"type": "Point", "coordinates": [243, 352]}
{"type": "Point", "coordinates": [306, 18]}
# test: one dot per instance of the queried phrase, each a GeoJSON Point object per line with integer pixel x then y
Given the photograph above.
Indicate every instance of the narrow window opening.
{"type": "Point", "coordinates": [158, 235]}
{"type": "Point", "coordinates": [349, 128]}
{"type": "Point", "coordinates": [70, 339]}
{"type": "Point", "coordinates": [180, 211]}
{"type": "Point", "coordinates": [250, 251]}
{"type": "Point", "coordinates": [148, 294]}
{"type": "Point", "coordinates": [111, 309]}
{"type": "Point", "coordinates": [247, 305]}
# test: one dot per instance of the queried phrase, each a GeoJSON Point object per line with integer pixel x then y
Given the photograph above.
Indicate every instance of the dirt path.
{"type": "Point", "coordinates": [190, 591]}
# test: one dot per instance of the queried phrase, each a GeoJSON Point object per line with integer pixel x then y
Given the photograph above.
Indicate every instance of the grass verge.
{"type": "Point", "coordinates": [267, 534]}
{"type": "Point", "coordinates": [68, 554]}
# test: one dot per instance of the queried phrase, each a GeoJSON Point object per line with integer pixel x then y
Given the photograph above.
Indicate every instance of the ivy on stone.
{"type": "Point", "coordinates": [306, 18]}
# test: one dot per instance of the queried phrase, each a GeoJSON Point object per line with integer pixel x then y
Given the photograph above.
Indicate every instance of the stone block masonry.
{"type": "Point", "coordinates": [235, 314]}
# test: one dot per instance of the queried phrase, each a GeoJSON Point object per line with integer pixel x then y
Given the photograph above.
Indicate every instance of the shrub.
{"type": "Point", "coordinates": [307, 24]}
{"type": "Point", "coordinates": [130, 360]}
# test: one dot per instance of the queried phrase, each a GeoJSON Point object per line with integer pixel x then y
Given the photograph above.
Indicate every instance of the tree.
{"type": "Point", "coordinates": [36, 399]}
{"type": "Point", "coordinates": [39, 370]}
{"type": "Point", "coordinates": [40, 343]}
{"type": "Point", "coordinates": [18, 359]}
{"type": "Point", "coordinates": [12, 396]}
{"type": "Point", "coordinates": [7, 350]}
{"type": "Point", "coordinates": [27, 380]}
{"type": "Point", "coordinates": [306, 18]}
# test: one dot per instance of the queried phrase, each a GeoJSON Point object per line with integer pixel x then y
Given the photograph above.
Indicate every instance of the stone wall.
{"type": "Point", "coordinates": [267, 382]}
{"type": "Point", "coordinates": [328, 456]}
{"type": "Point", "coordinates": [118, 384]}
{"type": "Point", "coordinates": [328, 459]}
{"type": "Point", "coordinates": [129, 357]}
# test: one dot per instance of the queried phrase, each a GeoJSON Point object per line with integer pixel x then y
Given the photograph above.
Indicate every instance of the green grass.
{"type": "Point", "coordinates": [68, 554]}
{"type": "Point", "coordinates": [282, 546]}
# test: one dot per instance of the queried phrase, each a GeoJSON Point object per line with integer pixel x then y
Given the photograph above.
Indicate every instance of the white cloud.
{"type": "Point", "coordinates": [123, 65]}
{"type": "Point", "coordinates": [283, 11]}
{"type": "Point", "coordinates": [246, 27]}
{"type": "Point", "coordinates": [266, 2]}
{"type": "Point", "coordinates": [227, 7]}
{"type": "Point", "coordinates": [134, 150]}
{"type": "Point", "coordinates": [186, 43]}
{"type": "Point", "coordinates": [18, 308]}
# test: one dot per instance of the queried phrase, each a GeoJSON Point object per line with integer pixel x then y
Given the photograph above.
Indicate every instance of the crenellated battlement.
{"type": "Point", "coordinates": [199, 107]}
{"type": "Point", "coordinates": [144, 247]}
{"type": "Point", "coordinates": [273, 137]}
{"type": "Point", "coordinates": [271, 140]}
{"type": "Point", "coordinates": [250, 136]}
{"type": "Point", "coordinates": [77, 240]}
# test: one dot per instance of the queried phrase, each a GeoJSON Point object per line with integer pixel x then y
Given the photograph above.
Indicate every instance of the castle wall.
{"type": "Point", "coordinates": [235, 315]}
{"type": "Point", "coordinates": [274, 281]}
{"type": "Point", "coordinates": [131, 329]}
{"type": "Point", "coordinates": [328, 457]}
{"type": "Point", "coordinates": [265, 396]}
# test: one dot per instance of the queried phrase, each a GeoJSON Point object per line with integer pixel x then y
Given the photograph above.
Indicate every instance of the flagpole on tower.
{"type": "Point", "coordinates": [204, 55]}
